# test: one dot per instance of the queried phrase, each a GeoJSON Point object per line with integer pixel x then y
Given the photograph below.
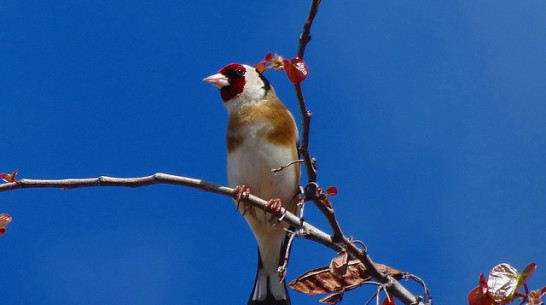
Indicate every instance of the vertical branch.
{"type": "Point", "coordinates": [305, 37]}
{"type": "Point", "coordinates": [310, 165]}
{"type": "Point", "coordinates": [314, 192]}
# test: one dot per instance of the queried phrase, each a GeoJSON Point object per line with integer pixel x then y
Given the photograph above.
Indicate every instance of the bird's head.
{"type": "Point", "coordinates": [239, 84]}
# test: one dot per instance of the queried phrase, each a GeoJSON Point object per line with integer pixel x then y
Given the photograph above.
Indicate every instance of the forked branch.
{"type": "Point", "coordinates": [308, 230]}
{"type": "Point", "coordinates": [337, 241]}
{"type": "Point", "coordinates": [315, 194]}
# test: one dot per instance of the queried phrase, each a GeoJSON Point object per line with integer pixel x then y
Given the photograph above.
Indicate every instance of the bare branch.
{"type": "Point", "coordinates": [391, 284]}
{"type": "Point", "coordinates": [280, 168]}
{"type": "Point", "coordinates": [305, 36]}
{"type": "Point", "coordinates": [281, 271]}
{"type": "Point", "coordinates": [337, 241]}
{"type": "Point", "coordinates": [311, 232]}
{"type": "Point", "coordinates": [314, 192]}
{"type": "Point", "coordinates": [304, 147]}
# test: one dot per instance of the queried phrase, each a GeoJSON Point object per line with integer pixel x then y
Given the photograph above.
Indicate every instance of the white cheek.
{"type": "Point", "coordinates": [248, 96]}
{"type": "Point", "coordinates": [253, 91]}
{"type": "Point", "coordinates": [254, 86]}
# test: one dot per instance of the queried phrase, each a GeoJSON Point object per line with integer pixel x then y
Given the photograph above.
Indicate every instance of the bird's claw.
{"type": "Point", "coordinates": [241, 193]}
{"type": "Point", "coordinates": [274, 206]}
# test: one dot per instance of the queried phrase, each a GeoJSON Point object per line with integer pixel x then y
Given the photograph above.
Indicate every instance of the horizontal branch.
{"type": "Point", "coordinates": [309, 231]}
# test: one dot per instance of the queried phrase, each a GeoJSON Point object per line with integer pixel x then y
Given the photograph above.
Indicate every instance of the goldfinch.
{"type": "Point", "coordinates": [261, 136]}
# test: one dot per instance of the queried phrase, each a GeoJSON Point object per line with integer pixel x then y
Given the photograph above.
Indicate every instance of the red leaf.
{"type": "Point", "coordinates": [9, 178]}
{"type": "Point", "coordinates": [4, 220]}
{"type": "Point", "coordinates": [479, 295]}
{"type": "Point", "coordinates": [295, 69]}
{"type": "Point", "coordinates": [475, 296]}
{"type": "Point", "coordinates": [331, 191]}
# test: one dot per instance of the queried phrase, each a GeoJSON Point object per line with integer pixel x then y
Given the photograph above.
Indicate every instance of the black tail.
{"type": "Point", "coordinates": [268, 289]}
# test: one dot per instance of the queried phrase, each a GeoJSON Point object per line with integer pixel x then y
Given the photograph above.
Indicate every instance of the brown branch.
{"type": "Point", "coordinates": [388, 282]}
{"type": "Point", "coordinates": [305, 37]}
{"type": "Point", "coordinates": [310, 166]}
{"type": "Point", "coordinates": [338, 242]}
{"type": "Point", "coordinates": [391, 284]}
{"type": "Point", "coordinates": [310, 231]}
{"type": "Point", "coordinates": [314, 192]}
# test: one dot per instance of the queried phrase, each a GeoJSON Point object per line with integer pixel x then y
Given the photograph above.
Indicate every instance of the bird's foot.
{"type": "Point", "coordinates": [241, 193]}
{"type": "Point", "coordinates": [274, 206]}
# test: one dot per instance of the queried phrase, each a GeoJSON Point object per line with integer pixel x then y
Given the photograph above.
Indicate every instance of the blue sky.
{"type": "Point", "coordinates": [428, 116]}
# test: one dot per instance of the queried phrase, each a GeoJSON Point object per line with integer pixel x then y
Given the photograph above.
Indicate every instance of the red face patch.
{"type": "Point", "coordinates": [236, 77]}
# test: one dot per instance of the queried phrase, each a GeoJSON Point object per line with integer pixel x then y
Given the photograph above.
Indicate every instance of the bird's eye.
{"type": "Point", "coordinates": [239, 72]}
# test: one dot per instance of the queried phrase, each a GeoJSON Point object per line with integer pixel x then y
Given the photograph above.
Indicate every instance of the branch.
{"type": "Point", "coordinates": [337, 242]}
{"type": "Point", "coordinates": [389, 283]}
{"type": "Point", "coordinates": [309, 231]}
{"type": "Point", "coordinates": [310, 164]}
{"type": "Point", "coordinates": [314, 192]}
{"type": "Point", "coordinates": [305, 37]}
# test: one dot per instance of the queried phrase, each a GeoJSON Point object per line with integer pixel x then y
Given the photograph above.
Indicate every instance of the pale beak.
{"type": "Point", "coordinates": [219, 80]}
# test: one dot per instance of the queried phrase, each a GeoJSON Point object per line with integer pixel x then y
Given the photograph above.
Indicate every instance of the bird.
{"type": "Point", "coordinates": [261, 136]}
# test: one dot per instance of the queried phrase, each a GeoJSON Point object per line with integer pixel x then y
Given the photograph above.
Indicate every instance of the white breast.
{"type": "Point", "coordinates": [251, 164]}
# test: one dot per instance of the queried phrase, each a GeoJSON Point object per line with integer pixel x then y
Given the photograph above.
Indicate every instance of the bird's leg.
{"type": "Point", "coordinates": [274, 206]}
{"type": "Point", "coordinates": [240, 193]}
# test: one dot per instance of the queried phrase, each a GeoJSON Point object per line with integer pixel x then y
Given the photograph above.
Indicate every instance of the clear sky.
{"type": "Point", "coordinates": [429, 117]}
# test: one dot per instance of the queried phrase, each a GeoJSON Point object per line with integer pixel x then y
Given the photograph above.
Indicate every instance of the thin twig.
{"type": "Point", "coordinates": [426, 292]}
{"type": "Point", "coordinates": [372, 297]}
{"type": "Point", "coordinates": [301, 202]}
{"type": "Point", "coordinates": [301, 206]}
{"type": "Point", "coordinates": [305, 36]}
{"type": "Point", "coordinates": [280, 168]}
{"type": "Point", "coordinates": [282, 269]}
